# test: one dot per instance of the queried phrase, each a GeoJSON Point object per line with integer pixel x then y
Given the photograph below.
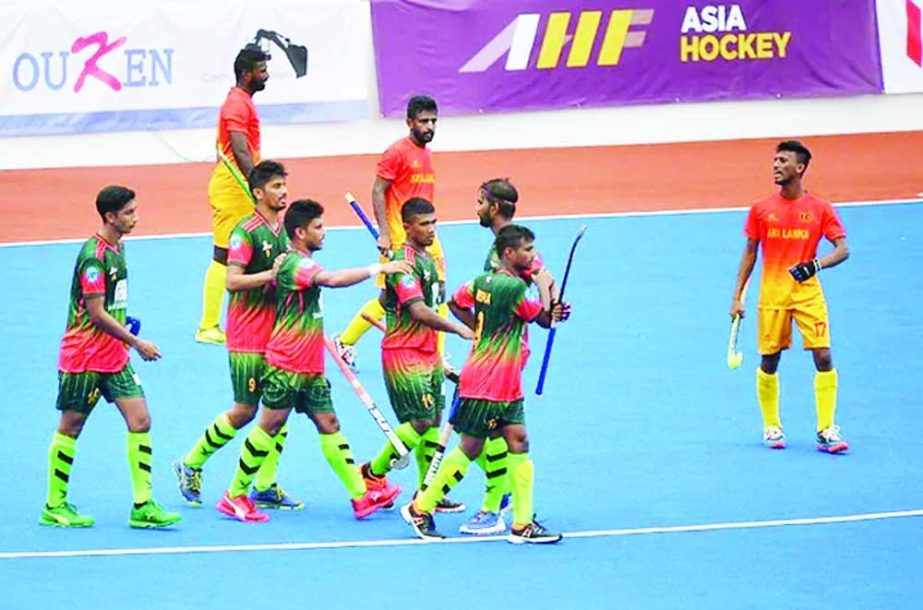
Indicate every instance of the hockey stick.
{"type": "Point", "coordinates": [444, 437]}
{"type": "Point", "coordinates": [235, 173]}
{"type": "Point", "coordinates": [540, 387]}
{"type": "Point", "coordinates": [403, 455]}
{"type": "Point", "coordinates": [361, 214]}
{"type": "Point", "coordinates": [734, 357]}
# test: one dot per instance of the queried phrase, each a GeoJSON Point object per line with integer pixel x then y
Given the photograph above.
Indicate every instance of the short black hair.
{"type": "Point", "coordinates": [416, 206]}
{"type": "Point", "coordinates": [502, 192]}
{"type": "Point", "coordinates": [263, 172]}
{"type": "Point", "coordinates": [801, 151]}
{"type": "Point", "coordinates": [420, 103]}
{"type": "Point", "coordinates": [300, 213]}
{"type": "Point", "coordinates": [113, 199]}
{"type": "Point", "coordinates": [246, 61]}
{"type": "Point", "coordinates": [512, 236]}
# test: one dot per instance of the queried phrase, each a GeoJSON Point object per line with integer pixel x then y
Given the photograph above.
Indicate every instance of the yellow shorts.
{"type": "Point", "coordinates": [775, 327]}
{"type": "Point", "coordinates": [438, 257]}
{"type": "Point", "coordinates": [230, 204]}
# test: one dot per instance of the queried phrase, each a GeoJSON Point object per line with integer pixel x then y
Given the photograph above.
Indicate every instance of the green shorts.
{"type": "Point", "coordinates": [247, 370]}
{"type": "Point", "coordinates": [479, 418]}
{"type": "Point", "coordinates": [415, 388]}
{"type": "Point", "coordinates": [81, 391]}
{"type": "Point", "coordinates": [305, 392]}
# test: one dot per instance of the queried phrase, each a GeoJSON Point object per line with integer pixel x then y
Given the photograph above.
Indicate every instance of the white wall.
{"type": "Point", "coordinates": [578, 127]}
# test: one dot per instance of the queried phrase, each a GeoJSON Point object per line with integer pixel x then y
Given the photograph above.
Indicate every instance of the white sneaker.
{"type": "Point", "coordinates": [347, 353]}
{"type": "Point", "coordinates": [774, 438]}
{"type": "Point", "coordinates": [830, 441]}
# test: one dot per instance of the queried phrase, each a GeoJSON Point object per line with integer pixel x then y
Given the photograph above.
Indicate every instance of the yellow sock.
{"type": "Point", "coordinates": [358, 326]}
{"type": "Point", "coordinates": [440, 341]}
{"type": "Point", "coordinates": [767, 393]}
{"type": "Point", "coordinates": [213, 294]}
{"type": "Point", "coordinates": [825, 384]}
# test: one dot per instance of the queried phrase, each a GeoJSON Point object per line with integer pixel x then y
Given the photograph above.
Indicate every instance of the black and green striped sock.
{"type": "Point", "coordinates": [61, 454]}
{"type": "Point", "coordinates": [218, 434]}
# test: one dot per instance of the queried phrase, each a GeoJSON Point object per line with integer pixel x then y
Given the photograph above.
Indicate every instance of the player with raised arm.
{"type": "Point", "coordinates": [413, 370]}
{"type": "Point", "coordinates": [294, 377]}
{"type": "Point", "coordinates": [257, 245]}
{"type": "Point", "coordinates": [404, 171]}
{"type": "Point", "coordinates": [497, 306]}
{"type": "Point", "coordinates": [789, 225]}
{"type": "Point", "coordinates": [94, 361]}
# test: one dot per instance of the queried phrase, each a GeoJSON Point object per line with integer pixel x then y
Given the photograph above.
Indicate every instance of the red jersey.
{"type": "Point", "coordinates": [789, 231]}
{"type": "Point", "coordinates": [238, 113]}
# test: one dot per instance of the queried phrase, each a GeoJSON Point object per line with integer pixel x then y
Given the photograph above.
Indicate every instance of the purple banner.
{"type": "Point", "coordinates": [495, 55]}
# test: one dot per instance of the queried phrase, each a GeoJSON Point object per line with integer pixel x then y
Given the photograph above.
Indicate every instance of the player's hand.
{"type": "Point", "coordinates": [392, 267]}
{"type": "Point", "coordinates": [384, 244]}
{"type": "Point", "coordinates": [277, 263]}
{"type": "Point", "coordinates": [737, 309]}
{"type": "Point", "coordinates": [560, 312]}
{"type": "Point", "coordinates": [147, 350]}
{"type": "Point", "coordinates": [805, 271]}
{"type": "Point", "coordinates": [464, 332]}
{"type": "Point", "coordinates": [543, 278]}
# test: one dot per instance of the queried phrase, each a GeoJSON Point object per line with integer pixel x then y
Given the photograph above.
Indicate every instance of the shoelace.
{"type": "Point", "coordinates": [832, 433]}
{"type": "Point", "coordinates": [195, 480]}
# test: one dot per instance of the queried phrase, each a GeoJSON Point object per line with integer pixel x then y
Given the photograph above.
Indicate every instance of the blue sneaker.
{"type": "Point", "coordinates": [506, 503]}
{"type": "Point", "coordinates": [483, 523]}
{"type": "Point", "coordinates": [189, 481]}
{"type": "Point", "coordinates": [275, 497]}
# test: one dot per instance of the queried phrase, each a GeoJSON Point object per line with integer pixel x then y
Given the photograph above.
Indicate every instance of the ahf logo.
{"type": "Point", "coordinates": [914, 25]}
{"type": "Point", "coordinates": [517, 40]}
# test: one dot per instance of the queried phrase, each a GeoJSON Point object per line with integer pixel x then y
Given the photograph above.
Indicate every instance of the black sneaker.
{"type": "Point", "coordinates": [422, 523]}
{"type": "Point", "coordinates": [447, 505]}
{"type": "Point", "coordinates": [533, 533]}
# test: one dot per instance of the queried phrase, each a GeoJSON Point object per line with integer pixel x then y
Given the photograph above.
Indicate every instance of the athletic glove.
{"type": "Point", "coordinates": [804, 271]}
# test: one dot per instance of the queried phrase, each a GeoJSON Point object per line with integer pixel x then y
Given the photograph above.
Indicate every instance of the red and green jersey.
{"type": "Point", "coordinates": [253, 246]}
{"type": "Point", "coordinates": [297, 340]}
{"type": "Point", "coordinates": [100, 272]}
{"type": "Point", "coordinates": [502, 310]}
{"type": "Point", "coordinates": [493, 264]}
{"type": "Point", "coordinates": [403, 332]}
{"type": "Point", "coordinates": [789, 231]}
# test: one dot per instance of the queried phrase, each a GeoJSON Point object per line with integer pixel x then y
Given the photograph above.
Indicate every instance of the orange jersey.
{"type": "Point", "coordinates": [238, 113]}
{"type": "Point", "coordinates": [789, 232]}
{"type": "Point", "coordinates": [410, 169]}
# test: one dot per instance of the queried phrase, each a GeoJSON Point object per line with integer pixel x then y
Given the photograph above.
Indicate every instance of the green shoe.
{"type": "Point", "coordinates": [150, 514]}
{"type": "Point", "coordinates": [65, 515]}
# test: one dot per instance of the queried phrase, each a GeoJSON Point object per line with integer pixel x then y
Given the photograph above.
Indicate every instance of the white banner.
{"type": "Point", "coordinates": [76, 67]}
{"type": "Point", "coordinates": [899, 27]}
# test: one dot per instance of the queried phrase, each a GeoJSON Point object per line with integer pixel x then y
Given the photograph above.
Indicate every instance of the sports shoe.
{"type": "Point", "coordinates": [189, 480]}
{"type": "Point", "coordinates": [152, 515]}
{"type": "Point", "coordinates": [240, 508]}
{"type": "Point", "coordinates": [347, 353]}
{"type": "Point", "coordinates": [506, 503]}
{"type": "Point", "coordinates": [375, 483]}
{"type": "Point", "coordinates": [483, 523]}
{"type": "Point", "coordinates": [374, 500]}
{"type": "Point", "coordinates": [212, 335]}
{"type": "Point", "coordinates": [534, 533]}
{"type": "Point", "coordinates": [64, 515]}
{"type": "Point", "coordinates": [275, 497]}
{"type": "Point", "coordinates": [830, 441]}
{"type": "Point", "coordinates": [447, 505]}
{"type": "Point", "coordinates": [422, 523]}
{"type": "Point", "coordinates": [774, 438]}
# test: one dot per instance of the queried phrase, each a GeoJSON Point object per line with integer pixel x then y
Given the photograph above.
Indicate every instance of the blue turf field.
{"type": "Point", "coordinates": [642, 425]}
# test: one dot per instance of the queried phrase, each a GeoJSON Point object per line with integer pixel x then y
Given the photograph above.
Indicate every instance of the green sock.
{"type": "Point", "coordinates": [335, 448]}
{"type": "Point", "coordinates": [266, 475]}
{"type": "Point", "coordinates": [381, 465]}
{"type": "Point", "coordinates": [218, 434]}
{"type": "Point", "coordinates": [60, 460]}
{"type": "Point", "coordinates": [522, 476]}
{"type": "Point", "coordinates": [424, 453]}
{"type": "Point", "coordinates": [495, 470]}
{"type": "Point", "coordinates": [140, 456]}
{"type": "Point", "coordinates": [450, 473]}
{"type": "Point", "coordinates": [257, 447]}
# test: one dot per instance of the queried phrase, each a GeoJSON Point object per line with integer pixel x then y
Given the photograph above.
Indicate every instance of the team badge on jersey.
{"type": "Point", "coordinates": [409, 281]}
{"type": "Point", "coordinates": [91, 275]}
{"type": "Point", "coordinates": [306, 263]}
{"type": "Point", "coordinates": [236, 241]}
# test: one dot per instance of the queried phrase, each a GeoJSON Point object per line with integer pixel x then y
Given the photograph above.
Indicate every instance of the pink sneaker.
{"type": "Point", "coordinates": [240, 508]}
{"type": "Point", "coordinates": [375, 499]}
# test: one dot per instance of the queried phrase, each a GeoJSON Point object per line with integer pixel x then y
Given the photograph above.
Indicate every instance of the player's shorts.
{"type": "Point", "coordinates": [305, 392]}
{"type": "Point", "coordinates": [247, 370]}
{"type": "Point", "coordinates": [775, 326]}
{"type": "Point", "coordinates": [480, 418]}
{"type": "Point", "coordinates": [81, 391]}
{"type": "Point", "coordinates": [415, 382]}
{"type": "Point", "coordinates": [438, 258]}
{"type": "Point", "coordinates": [230, 204]}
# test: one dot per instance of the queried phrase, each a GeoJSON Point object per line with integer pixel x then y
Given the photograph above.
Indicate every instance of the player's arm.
{"type": "Point", "coordinates": [348, 277]}
{"type": "Point", "coordinates": [103, 320]}
{"type": "Point", "coordinates": [423, 314]}
{"type": "Point", "coordinates": [549, 311]}
{"type": "Point", "coordinates": [238, 281]}
{"type": "Point", "coordinates": [744, 269]}
{"type": "Point", "coordinates": [241, 151]}
{"type": "Point", "coordinates": [462, 305]}
{"type": "Point", "coordinates": [379, 189]}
